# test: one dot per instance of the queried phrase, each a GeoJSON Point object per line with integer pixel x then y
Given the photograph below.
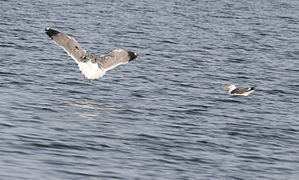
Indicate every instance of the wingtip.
{"type": "Point", "coordinates": [51, 32]}
{"type": "Point", "coordinates": [132, 55]}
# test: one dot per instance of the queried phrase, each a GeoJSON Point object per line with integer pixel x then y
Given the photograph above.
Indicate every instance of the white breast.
{"type": "Point", "coordinates": [91, 70]}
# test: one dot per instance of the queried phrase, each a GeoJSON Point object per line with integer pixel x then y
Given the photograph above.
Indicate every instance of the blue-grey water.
{"type": "Point", "coordinates": [166, 115]}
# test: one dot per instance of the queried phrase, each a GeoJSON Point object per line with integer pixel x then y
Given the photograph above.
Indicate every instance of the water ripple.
{"type": "Point", "coordinates": [166, 115]}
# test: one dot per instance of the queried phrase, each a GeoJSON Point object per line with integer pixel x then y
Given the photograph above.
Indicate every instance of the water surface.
{"type": "Point", "coordinates": [166, 115]}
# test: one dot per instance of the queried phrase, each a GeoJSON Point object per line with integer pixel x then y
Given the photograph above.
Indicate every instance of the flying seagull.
{"type": "Point", "coordinates": [91, 66]}
{"type": "Point", "coordinates": [240, 91]}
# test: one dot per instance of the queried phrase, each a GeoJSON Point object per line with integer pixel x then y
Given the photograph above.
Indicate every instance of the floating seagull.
{"type": "Point", "coordinates": [91, 66]}
{"type": "Point", "coordinates": [240, 91]}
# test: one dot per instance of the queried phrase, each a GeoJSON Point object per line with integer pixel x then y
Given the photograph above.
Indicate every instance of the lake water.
{"type": "Point", "coordinates": [166, 115]}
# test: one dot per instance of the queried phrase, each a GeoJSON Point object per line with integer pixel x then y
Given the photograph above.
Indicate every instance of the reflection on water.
{"type": "Point", "coordinates": [90, 108]}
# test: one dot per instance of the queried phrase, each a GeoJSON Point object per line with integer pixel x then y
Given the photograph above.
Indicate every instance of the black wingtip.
{"type": "Point", "coordinates": [51, 32]}
{"type": "Point", "coordinates": [132, 55]}
{"type": "Point", "coordinates": [252, 88]}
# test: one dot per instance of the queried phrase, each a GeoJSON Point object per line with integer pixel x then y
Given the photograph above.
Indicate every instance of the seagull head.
{"type": "Point", "coordinates": [231, 87]}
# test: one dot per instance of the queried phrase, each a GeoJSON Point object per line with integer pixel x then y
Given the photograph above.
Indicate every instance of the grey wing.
{"type": "Point", "coordinates": [241, 90]}
{"type": "Point", "coordinates": [115, 58]}
{"type": "Point", "coordinates": [69, 44]}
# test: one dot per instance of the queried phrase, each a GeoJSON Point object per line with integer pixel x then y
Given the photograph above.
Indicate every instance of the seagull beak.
{"type": "Point", "coordinates": [227, 87]}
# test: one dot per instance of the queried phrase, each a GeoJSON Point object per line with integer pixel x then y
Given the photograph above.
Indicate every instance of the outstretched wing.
{"type": "Point", "coordinates": [69, 44]}
{"type": "Point", "coordinates": [241, 90]}
{"type": "Point", "coordinates": [115, 58]}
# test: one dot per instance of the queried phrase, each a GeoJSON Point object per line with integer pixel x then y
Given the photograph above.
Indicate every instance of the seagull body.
{"type": "Point", "coordinates": [240, 91]}
{"type": "Point", "coordinates": [91, 66]}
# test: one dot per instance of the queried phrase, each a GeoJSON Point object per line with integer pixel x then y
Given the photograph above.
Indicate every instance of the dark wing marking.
{"type": "Point", "coordinates": [241, 90]}
{"type": "Point", "coordinates": [69, 44]}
